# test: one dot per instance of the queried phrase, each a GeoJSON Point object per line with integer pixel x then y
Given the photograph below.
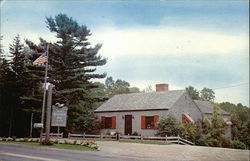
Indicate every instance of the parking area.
{"type": "Point", "coordinates": [172, 152]}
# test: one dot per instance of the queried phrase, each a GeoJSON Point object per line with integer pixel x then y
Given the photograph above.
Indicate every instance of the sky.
{"type": "Point", "coordinates": [183, 42]}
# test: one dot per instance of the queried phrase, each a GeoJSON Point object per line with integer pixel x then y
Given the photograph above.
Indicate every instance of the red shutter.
{"type": "Point", "coordinates": [113, 122]}
{"type": "Point", "coordinates": [143, 122]}
{"type": "Point", "coordinates": [156, 117]}
{"type": "Point", "coordinates": [185, 119]}
{"type": "Point", "coordinates": [103, 122]}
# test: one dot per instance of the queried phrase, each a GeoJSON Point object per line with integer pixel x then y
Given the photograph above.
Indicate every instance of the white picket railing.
{"type": "Point", "coordinates": [54, 135]}
{"type": "Point", "coordinates": [171, 139]}
{"type": "Point", "coordinates": [89, 136]}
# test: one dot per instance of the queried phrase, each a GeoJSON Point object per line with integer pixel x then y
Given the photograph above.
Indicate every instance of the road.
{"type": "Point", "coordinates": [117, 151]}
{"type": "Point", "coordinates": [16, 152]}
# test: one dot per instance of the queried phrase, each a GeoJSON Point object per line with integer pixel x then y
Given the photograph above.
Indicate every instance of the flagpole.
{"type": "Point", "coordinates": [44, 93]}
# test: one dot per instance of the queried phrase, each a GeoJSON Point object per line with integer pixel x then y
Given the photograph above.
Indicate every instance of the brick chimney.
{"type": "Point", "coordinates": [161, 87]}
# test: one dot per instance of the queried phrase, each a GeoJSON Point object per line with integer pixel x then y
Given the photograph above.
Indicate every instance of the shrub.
{"type": "Point", "coordinates": [190, 132]}
{"type": "Point", "coordinates": [14, 138]}
{"type": "Point", "coordinates": [236, 144]}
{"type": "Point", "coordinates": [56, 141]}
{"type": "Point", "coordinates": [47, 142]}
{"type": "Point", "coordinates": [169, 126]}
{"type": "Point", "coordinates": [135, 134]}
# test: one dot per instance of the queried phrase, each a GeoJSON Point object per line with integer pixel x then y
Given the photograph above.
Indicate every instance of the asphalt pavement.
{"type": "Point", "coordinates": [118, 151]}
{"type": "Point", "coordinates": [17, 152]}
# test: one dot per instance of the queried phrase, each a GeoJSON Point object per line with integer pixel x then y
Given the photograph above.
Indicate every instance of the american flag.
{"type": "Point", "coordinates": [41, 59]}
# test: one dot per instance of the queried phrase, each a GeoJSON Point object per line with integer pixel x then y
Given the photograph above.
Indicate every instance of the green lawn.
{"type": "Point", "coordinates": [60, 146]}
{"type": "Point", "coordinates": [144, 142]}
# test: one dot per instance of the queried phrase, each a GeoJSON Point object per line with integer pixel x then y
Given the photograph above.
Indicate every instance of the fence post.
{"type": "Point", "coordinates": [141, 138]}
{"type": "Point", "coordinates": [166, 138]}
{"type": "Point", "coordinates": [84, 135]}
{"type": "Point", "coordinates": [178, 138]}
{"type": "Point", "coordinates": [117, 136]}
{"type": "Point", "coordinates": [101, 137]}
{"type": "Point", "coordinates": [69, 135]}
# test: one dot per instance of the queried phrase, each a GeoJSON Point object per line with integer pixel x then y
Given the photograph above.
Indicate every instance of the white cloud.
{"type": "Point", "coordinates": [34, 37]}
{"type": "Point", "coordinates": [236, 95]}
{"type": "Point", "coordinates": [2, 3]}
{"type": "Point", "coordinates": [163, 41]}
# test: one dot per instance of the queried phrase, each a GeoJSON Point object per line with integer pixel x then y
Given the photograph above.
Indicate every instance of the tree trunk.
{"type": "Point", "coordinates": [31, 123]}
{"type": "Point", "coordinates": [11, 120]}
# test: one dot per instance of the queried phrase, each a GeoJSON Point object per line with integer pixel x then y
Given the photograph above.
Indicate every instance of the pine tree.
{"type": "Point", "coordinates": [5, 72]}
{"type": "Point", "coordinates": [13, 75]}
{"type": "Point", "coordinates": [72, 65]}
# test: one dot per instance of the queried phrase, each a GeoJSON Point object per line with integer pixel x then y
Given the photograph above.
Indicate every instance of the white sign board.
{"type": "Point", "coordinates": [59, 116]}
{"type": "Point", "coordinates": [38, 125]}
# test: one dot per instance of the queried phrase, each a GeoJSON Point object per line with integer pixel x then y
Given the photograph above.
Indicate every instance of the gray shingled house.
{"type": "Point", "coordinates": [139, 112]}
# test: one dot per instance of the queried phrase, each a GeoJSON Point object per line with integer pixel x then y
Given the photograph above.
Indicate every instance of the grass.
{"type": "Point", "coordinates": [145, 142]}
{"type": "Point", "coordinates": [60, 146]}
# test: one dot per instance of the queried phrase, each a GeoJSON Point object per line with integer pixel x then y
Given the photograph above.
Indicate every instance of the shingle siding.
{"type": "Point", "coordinates": [136, 121]}
{"type": "Point", "coordinates": [208, 107]}
{"type": "Point", "coordinates": [185, 105]}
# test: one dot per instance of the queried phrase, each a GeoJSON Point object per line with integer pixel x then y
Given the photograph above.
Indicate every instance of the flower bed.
{"type": "Point", "coordinates": [88, 143]}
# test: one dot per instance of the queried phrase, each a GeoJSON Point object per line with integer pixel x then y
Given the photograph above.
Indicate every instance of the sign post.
{"type": "Point", "coordinates": [59, 117]}
{"type": "Point", "coordinates": [48, 114]}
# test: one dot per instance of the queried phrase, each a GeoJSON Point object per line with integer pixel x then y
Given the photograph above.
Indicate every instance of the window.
{"type": "Point", "coordinates": [108, 122]}
{"type": "Point", "coordinates": [149, 122]}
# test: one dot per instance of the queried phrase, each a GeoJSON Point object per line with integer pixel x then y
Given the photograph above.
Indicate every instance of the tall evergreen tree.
{"type": "Point", "coordinates": [72, 65]}
{"type": "Point", "coordinates": [13, 84]}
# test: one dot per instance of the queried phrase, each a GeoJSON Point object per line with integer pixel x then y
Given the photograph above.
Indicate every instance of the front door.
{"type": "Point", "coordinates": [128, 124]}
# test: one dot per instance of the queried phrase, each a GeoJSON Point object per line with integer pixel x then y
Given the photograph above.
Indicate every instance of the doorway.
{"type": "Point", "coordinates": [128, 124]}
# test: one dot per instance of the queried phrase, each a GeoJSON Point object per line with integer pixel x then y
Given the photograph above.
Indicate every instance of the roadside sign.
{"type": "Point", "coordinates": [59, 116]}
{"type": "Point", "coordinates": [38, 125]}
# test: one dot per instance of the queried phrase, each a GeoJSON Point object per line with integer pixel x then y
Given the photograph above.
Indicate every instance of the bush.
{"type": "Point", "coordinates": [236, 144]}
{"type": "Point", "coordinates": [56, 141]}
{"type": "Point", "coordinates": [190, 132]}
{"type": "Point", "coordinates": [169, 126]}
{"type": "Point", "coordinates": [47, 142]}
{"type": "Point", "coordinates": [14, 138]}
{"type": "Point", "coordinates": [135, 134]}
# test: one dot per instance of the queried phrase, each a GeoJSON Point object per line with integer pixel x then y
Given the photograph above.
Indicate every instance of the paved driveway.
{"type": "Point", "coordinates": [173, 152]}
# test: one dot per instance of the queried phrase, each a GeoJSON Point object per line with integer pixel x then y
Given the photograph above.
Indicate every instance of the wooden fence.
{"type": "Point", "coordinates": [54, 135]}
{"type": "Point", "coordinates": [171, 139]}
{"type": "Point", "coordinates": [88, 136]}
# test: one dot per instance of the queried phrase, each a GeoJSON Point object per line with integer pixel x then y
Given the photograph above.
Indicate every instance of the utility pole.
{"type": "Point", "coordinates": [48, 113]}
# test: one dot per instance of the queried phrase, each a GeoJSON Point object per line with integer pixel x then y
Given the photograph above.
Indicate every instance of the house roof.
{"type": "Point", "coordinates": [208, 107]}
{"type": "Point", "coordinates": [141, 101]}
